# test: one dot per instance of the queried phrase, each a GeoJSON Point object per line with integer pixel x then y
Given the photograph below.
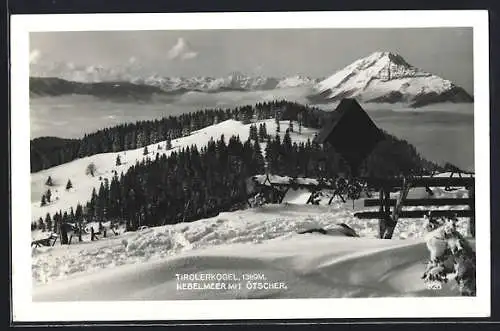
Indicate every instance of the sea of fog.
{"type": "Point", "coordinates": [442, 132]}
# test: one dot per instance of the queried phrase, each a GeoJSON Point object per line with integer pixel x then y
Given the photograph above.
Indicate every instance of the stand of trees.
{"type": "Point", "coordinates": [48, 152]}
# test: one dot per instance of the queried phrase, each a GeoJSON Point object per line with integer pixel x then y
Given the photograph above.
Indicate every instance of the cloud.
{"type": "Point", "coordinates": [181, 51]}
{"type": "Point", "coordinates": [132, 60]}
{"type": "Point", "coordinates": [35, 56]}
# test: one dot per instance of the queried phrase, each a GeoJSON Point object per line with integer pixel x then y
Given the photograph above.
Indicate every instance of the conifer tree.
{"type": "Point", "coordinates": [118, 161]}
{"type": "Point", "coordinates": [91, 205]}
{"type": "Point", "coordinates": [141, 138]}
{"type": "Point", "coordinates": [287, 142]}
{"type": "Point", "coordinates": [258, 159]}
{"type": "Point", "coordinates": [169, 144]}
{"type": "Point", "coordinates": [145, 152]}
{"type": "Point", "coordinates": [48, 222]}
{"type": "Point", "coordinates": [49, 182]}
{"type": "Point", "coordinates": [65, 217]}
{"type": "Point", "coordinates": [253, 134]}
{"type": "Point", "coordinates": [57, 224]}
{"type": "Point", "coordinates": [44, 201]}
{"type": "Point", "coordinates": [41, 225]}
{"type": "Point", "coordinates": [48, 195]}
{"type": "Point", "coordinates": [37, 223]}
{"type": "Point", "coordinates": [69, 185]}
{"type": "Point", "coordinates": [79, 212]}
{"type": "Point", "coordinates": [79, 225]}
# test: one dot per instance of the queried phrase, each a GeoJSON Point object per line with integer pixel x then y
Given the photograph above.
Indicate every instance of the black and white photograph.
{"type": "Point", "coordinates": [228, 164]}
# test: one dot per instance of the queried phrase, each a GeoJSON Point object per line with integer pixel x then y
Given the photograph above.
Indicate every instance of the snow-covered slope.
{"type": "Point", "coordinates": [264, 241]}
{"type": "Point", "coordinates": [106, 163]}
{"type": "Point", "coordinates": [387, 78]}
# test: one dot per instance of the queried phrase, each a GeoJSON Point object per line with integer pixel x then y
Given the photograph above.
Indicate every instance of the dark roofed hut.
{"type": "Point", "coordinates": [351, 132]}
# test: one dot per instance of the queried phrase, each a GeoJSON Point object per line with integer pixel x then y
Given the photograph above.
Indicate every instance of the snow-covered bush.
{"type": "Point", "coordinates": [451, 256]}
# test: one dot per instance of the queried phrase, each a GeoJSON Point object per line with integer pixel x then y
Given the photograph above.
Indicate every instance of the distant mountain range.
{"type": "Point", "coordinates": [381, 77]}
{"type": "Point", "coordinates": [51, 86]}
{"type": "Point", "coordinates": [235, 81]}
{"type": "Point", "coordinates": [386, 77]}
{"type": "Point", "coordinates": [144, 90]}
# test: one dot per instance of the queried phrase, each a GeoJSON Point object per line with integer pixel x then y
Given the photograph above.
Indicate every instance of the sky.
{"type": "Point", "coordinates": [446, 52]}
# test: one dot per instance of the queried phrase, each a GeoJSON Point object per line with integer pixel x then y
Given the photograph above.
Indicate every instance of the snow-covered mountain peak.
{"type": "Point", "coordinates": [384, 66]}
{"type": "Point", "coordinates": [387, 77]}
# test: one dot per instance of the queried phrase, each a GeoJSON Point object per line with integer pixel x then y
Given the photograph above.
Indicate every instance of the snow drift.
{"type": "Point", "coordinates": [306, 266]}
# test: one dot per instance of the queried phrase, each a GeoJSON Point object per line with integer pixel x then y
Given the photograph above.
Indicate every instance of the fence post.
{"type": "Point", "coordinates": [80, 232]}
{"type": "Point", "coordinates": [397, 209]}
{"type": "Point", "coordinates": [381, 220]}
{"type": "Point", "coordinates": [387, 209]}
{"type": "Point", "coordinates": [472, 219]}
